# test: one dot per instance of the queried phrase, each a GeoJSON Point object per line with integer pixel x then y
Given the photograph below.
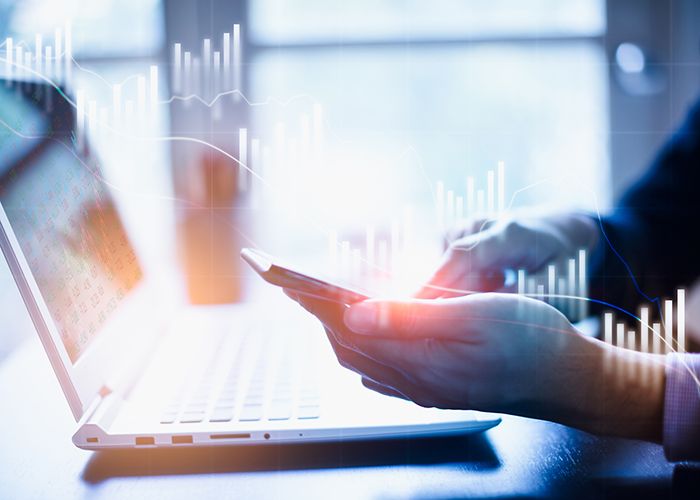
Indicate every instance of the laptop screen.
{"type": "Point", "coordinates": [63, 215]}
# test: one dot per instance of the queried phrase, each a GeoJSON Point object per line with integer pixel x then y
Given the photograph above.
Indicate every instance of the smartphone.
{"type": "Point", "coordinates": [282, 275]}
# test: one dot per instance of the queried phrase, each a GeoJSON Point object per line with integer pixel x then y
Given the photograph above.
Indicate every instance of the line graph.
{"type": "Point", "coordinates": [262, 159]}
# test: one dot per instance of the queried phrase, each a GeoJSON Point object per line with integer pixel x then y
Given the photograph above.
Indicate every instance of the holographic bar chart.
{"type": "Point", "coordinates": [653, 336]}
{"type": "Point", "coordinates": [213, 68]}
{"type": "Point", "coordinates": [454, 207]}
{"type": "Point", "coordinates": [656, 337]}
{"type": "Point", "coordinates": [564, 286]}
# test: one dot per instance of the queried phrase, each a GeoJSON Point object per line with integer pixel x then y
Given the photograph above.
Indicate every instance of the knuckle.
{"type": "Point", "coordinates": [515, 230]}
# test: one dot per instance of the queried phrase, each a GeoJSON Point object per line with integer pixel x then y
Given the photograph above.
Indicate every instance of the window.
{"type": "Point", "coordinates": [98, 25]}
{"type": "Point", "coordinates": [308, 21]}
{"type": "Point", "coordinates": [415, 93]}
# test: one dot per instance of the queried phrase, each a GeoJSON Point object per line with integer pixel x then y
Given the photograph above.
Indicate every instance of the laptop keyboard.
{"type": "Point", "coordinates": [279, 384]}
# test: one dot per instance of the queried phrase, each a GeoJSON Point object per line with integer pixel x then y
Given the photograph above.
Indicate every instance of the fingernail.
{"type": "Point", "coordinates": [361, 318]}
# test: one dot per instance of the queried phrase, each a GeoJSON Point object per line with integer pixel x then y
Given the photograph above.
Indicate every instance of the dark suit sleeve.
{"type": "Point", "coordinates": [653, 235]}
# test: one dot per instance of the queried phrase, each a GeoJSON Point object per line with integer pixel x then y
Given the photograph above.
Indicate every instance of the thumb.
{"type": "Point", "coordinates": [442, 318]}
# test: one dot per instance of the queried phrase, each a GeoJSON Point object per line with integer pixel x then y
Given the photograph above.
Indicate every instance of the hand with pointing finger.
{"type": "Point", "coordinates": [479, 253]}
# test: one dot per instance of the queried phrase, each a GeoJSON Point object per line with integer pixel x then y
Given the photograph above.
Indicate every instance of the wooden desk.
{"type": "Point", "coordinates": [519, 458]}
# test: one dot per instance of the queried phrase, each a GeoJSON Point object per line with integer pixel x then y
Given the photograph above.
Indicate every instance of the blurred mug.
{"type": "Point", "coordinates": [209, 223]}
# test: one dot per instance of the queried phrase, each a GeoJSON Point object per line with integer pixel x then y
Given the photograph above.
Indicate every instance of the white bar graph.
{"type": "Point", "coordinates": [187, 70]}
{"type": "Point", "coordinates": [48, 61]}
{"type": "Point", "coordinates": [644, 329]}
{"type": "Point", "coordinates": [551, 279]}
{"type": "Point", "coordinates": [141, 95]}
{"type": "Point", "coordinates": [582, 283]}
{"type": "Point", "coordinates": [608, 328]}
{"type": "Point", "coordinates": [531, 286]}
{"type": "Point", "coordinates": [206, 58]}
{"type": "Point", "coordinates": [237, 62]}
{"type": "Point", "coordinates": [657, 337]}
{"type": "Point", "coordinates": [486, 200]}
{"type": "Point", "coordinates": [177, 67]}
{"type": "Point", "coordinates": [80, 113]}
{"type": "Point", "coordinates": [19, 60]}
{"type": "Point", "coordinates": [153, 85]}
{"type": "Point", "coordinates": [38, 51]}
{"type": "Point", "coordinates": [571, 283]}
{"type": "Point", "coordinates": [9, 56]}
{"type": "Point", "coordinates": [620, 335]}
{"type": "Point", "coordinates": [631, 365]}
{"type": "Point", "coordinates": [226, 59]}
{"type": "Point", "coordinates": [490, 192]}
{"type": "Point", "coordinates": [564, 288]}
{"type": "Point", "coordinates": [521, 281]}
{"type": "Point", "coordinates": [668, 325]}
{"type": "Point", "coordinates": [608, 338]}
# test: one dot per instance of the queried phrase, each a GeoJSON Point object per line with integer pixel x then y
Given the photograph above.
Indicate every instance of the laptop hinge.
{"type": "Point", "coordinates": [102, 409]}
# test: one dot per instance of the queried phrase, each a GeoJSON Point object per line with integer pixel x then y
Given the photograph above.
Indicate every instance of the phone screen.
{"type": "Point", "coordinates": [282, 275]}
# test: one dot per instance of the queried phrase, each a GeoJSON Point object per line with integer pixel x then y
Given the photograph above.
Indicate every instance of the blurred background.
{"type": "Point", "coordinates": [573, 96]}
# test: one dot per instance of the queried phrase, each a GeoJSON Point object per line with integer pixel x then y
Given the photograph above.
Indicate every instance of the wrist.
{"type": "Point", "coordinates": [630, 394]}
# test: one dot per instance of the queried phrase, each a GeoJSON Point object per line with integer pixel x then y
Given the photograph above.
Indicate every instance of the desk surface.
{"type": "Point", "coordinates": [519, 458]}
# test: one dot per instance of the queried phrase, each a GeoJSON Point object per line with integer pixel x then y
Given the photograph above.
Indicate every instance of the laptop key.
{"type": "Point", "coordinates": [229, 401]}
{"type": "Point", "coordinates": [168, 418]}
{"type": "Point", "coordinates": [222, 414]}
{"type": "Point", "coordinates": [196, 407]}
{"type": "Point", "coordinates": [309, 401]}
{"type": "Point", "coordinates": [309, 412]}
{"type": "Point", "coordinates": [251, 413]}
{"type": "Point", "coordinates": [280, 409]}
{"type": "Point", "coordinates": [192, 417]}
{"type": "Point", "coordinates": [254, 400]}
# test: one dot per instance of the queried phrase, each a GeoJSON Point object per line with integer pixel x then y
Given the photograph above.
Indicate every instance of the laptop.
{"type": "Point", "coordinates": [138, 367]}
